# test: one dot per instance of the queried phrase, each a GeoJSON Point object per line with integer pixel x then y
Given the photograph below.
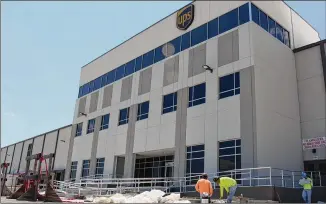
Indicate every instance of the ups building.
{"type": "Point", "coordinates": [215, 86]}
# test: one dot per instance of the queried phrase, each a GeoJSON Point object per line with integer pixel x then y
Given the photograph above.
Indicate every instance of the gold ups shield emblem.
{"type": "Point", "coordinates": [185, 17]}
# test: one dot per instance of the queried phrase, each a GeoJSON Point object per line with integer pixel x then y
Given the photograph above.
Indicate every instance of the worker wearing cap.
{"type": "Point", "coordinates": [307, 184]}
{"type": "Point", "coordinates": [227, 183]}
{"type": "Point", "coordinates": [204, 186]}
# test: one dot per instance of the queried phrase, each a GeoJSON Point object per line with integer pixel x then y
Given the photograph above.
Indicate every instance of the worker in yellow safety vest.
{"type": "Point", "coordinates": [227, 183]}
{"type": "Point", "coordinates": [307, 185]}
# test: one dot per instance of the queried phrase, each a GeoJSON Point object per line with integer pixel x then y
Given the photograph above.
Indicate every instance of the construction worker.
{"type": "Point", "coordinates": [307, 184]}
{"type": "Point", "coordinates": [227, 183]}
{"type": "Point", "coordinates": [204, 187]}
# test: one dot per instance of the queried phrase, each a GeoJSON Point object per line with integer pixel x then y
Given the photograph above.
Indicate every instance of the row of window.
{"type": "Point", "coordinates": [270, 25]}
{"type": "Point", "coordinates": [200, 34]}
{"type": "Point", "coordinates": [99, 170]}
{"type": "Point", "coordinates": [229, 86]}
{"type": "Point", "coordinates": [229, 159]}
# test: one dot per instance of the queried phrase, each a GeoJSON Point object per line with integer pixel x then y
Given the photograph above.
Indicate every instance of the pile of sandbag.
{"type": "Point", "coordinates": [153, 196]}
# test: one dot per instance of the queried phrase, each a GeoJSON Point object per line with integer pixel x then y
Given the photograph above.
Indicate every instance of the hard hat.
{"type": "Point", "coordinates": [303, 174]}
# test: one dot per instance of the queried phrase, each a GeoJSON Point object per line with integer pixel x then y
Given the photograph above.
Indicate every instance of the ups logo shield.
{"type": "Point", "coordinates": [185, 17]}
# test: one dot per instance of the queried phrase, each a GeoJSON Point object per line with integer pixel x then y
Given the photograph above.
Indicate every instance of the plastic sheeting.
{"type": "Point", "coordinates": [153, 196]}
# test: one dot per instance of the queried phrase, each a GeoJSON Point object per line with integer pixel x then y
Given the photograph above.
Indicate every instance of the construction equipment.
{"type": "Point", "coordinates": [4, 189]}
{"type": "Point", "coordinates": [29, 190]}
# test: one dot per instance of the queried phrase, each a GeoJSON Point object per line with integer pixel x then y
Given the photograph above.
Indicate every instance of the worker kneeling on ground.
{"type": "Point", "coordinates": [204, 187]}
{"type": "Point", "coordinates": [306, 183]}
{"type": "Point", "coordinates": [229, 184]}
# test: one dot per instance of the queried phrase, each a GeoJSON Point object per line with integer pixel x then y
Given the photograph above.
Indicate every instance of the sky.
{"type": "Point", "coordinates": [45, 44]}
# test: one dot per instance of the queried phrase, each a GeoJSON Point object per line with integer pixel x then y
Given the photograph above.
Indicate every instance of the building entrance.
{"type": "Point", "coordinates": [154, 167]}
{"type": "Point", "coordinates": [315, 167]}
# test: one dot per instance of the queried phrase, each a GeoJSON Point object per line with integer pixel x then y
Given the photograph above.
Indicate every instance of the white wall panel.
{"type": "Point", "coordinates": [3, 154]}
{"type": "Point", "coordinates": [140, 140]}
{"type": "Point", "coordinates": [155, 108]}
{"type": "Point", "coordinates": [120, 146]}
{"type": "Point", "coordinates": [167, 135]}
{"type": "Point", "coordinates": [49, 144]}
{"type": "Point", "coordinates": [304, 34]}
{"type": "Point", "coordinates": [153, 138]}
{"type": "Point", "coordinates": [23, 159]}
{"type": "Point", "coordinates": [157, 75]}
{"type": "Point", "coordinates": [195, 130]}
{"type": "Point", "coordinates": [82, 148]}
{"type": "Point", "coordinates": [105, 148]}
{"type": "Point", "coordinates": [16, 160]}
{"type": "Point", "coordinates": [228, 118]}
{"type": "Point", "coordinates": [62, 148]}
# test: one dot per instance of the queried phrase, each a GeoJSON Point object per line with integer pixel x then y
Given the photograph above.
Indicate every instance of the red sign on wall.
{"type": "Point", "coordinates": [314, 143]}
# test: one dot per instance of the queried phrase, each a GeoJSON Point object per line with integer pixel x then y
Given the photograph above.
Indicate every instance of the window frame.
{"type": "Point", "coordinates": [99, 168]}
{"type": "Point", "coordinates": [79, 133]}
{"type": "Point", "coordinates": [88, 163]}
{"type": "Point", "coordinates": [192, 99]}
{"type": "Point", "coordinates": [73, 168]}
{"type": "Point", "coordinates": [235, 89]}
{"type": "Point", "coordinates": [140, 115]}
{"type": "Point", "coordinates": [105, 126]}
{"type": "Point", "coordinates": [126, 120]}
{"type": "Point", "coordinates": [174, 103]}
{"type": "Point", "coordinates": [90, 130]}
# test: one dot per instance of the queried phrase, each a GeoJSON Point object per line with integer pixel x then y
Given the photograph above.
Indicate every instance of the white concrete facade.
{"type": "Point", "coordinates": [270, 116]}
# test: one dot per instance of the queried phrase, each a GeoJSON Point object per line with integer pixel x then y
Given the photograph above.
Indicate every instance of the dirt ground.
{"type": "Point", "coordinates": [5, 200]}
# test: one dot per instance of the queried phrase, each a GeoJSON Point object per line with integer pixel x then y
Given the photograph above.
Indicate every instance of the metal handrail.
{"type": "Point", "coordinates": [260, 176]}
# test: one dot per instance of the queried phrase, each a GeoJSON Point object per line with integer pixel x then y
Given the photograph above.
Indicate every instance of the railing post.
{"type": "Point", "coordinates": [270, 176]}
{"type": "Point", "coordinates": [282, 178]}
{"type": "Point", "coordinates": [292, 179]}
{"type": "Point", "coordinates": [250, 177]}
{"type": "Point", "coordinates": [180, 185]}
{"type": "Point", "coordinates": [319, 178]}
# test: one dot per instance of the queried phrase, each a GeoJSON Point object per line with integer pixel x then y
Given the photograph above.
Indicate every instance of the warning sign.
{"type": "Point", "coordinates": [314, 143]}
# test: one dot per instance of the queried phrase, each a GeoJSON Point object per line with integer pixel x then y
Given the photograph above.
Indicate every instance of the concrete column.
{"type": "Point", "coordinates": [92, 167]}
{"type": "Point", "coordinates": [70, 150]}
{"type": "Point", "coordinates": [180, 133]}
{"type": "Point", "coordinates": [130, 157]}
{"type": "Point", "coordinates": [248, 118]}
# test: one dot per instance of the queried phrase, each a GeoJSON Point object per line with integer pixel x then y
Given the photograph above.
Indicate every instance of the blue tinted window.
{"type": "Point", "coordinates": [197, 95]}
{"type": "Point", "coordinates": [263, 20]}
{"type": "Point", "coordinates": [255, 13]}
{"type": "Point", "coordinates": [244, 14]}
{"type": "Point", "coordinates": [169, 103]}
{"type": "Point", "coordinates": [228, 21]}
{"type": "Point", "coordinates": [213, 28]}
{"type": "Point", "coordinates": [91, 86]}
{"type": "Point", "coordinates": [226, 82]}
{"type": "Point", "coordinates": [91, 126]}
{"type": "Point", "coordinates": [138, 63]}
{"type": "Point", "coordinates": [279, 32]}
{"type": "Point", "coordinates": [123, 116]}
{"type": "Point", "coordinates": [97, 83]}
{"type": "Point", "coordinates": [229, 85]}
{"type": "Point", "coordinates": [85, 89]}
{"type": "Point", "coordinates": [79, 129]}
{"type": "Point", "coordinates": [80, 92]}
{"type": "Point", "coordinates": [143, 109]}
{"type": "Point", "coordinates": [230, 143]}
{"type": "Point", "coordinates": [120, 72]}
{"type": "Point", "coordinates": [199, 34]}
{"type": "Point", "coordinates": [185, 41]}
{"type": "Point", "coordinates": [110, 77]}
{"type": "Point", "coordinates": [129, 68]}
{"type": "Point", "coordinates": [148, 59]}
{"type": "Point", "coordinates": [104, 80]}
{"type": "Point", "coordinates": [159, 54]}
{"type": "Point", "coordinates": [198, 148]}
{"type": "Point", "coordinates": [286, 37]}
{"type": "Point", "coordinates": [271, 27]}
{"type": "Point", "coordinates": [176, 43]}
{"type": "Point", "coordinates": [105, 122]}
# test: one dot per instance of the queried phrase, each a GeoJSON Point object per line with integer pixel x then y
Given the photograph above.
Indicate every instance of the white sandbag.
{"type": "Point", "coordinates": [102, 200]}
{"type": "Point", "coordinates": [118, 198]}
{"type": "Point", "coordinates": [181, 201]}
{"type": "Point", "coordinates": [89, 198]}
{"type": "Point", "coordinates": [170, 198]}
